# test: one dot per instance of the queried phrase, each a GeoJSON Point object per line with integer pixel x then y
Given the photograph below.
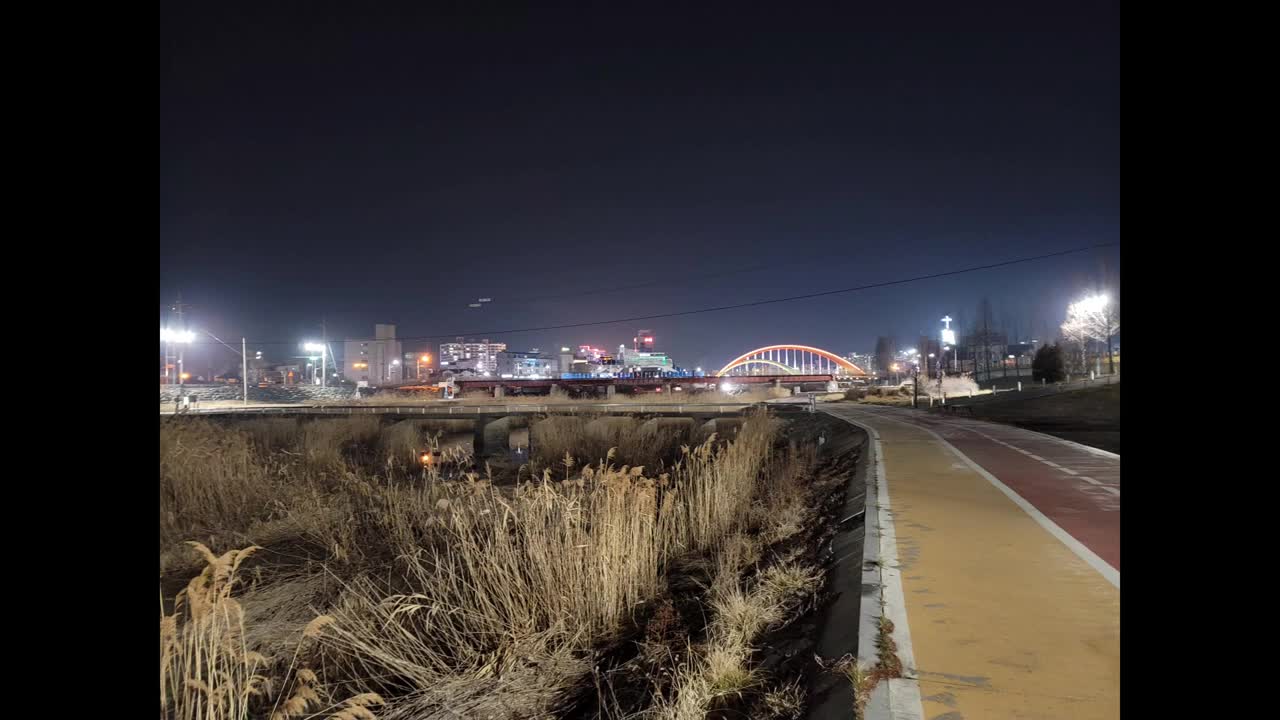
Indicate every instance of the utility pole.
{"type": "Point", "coordinates": [1111, 358]}
{"type": "Point", "coordinates": [182, 327]}
{"type": "Point", "coordinates": [244, 368]}
{"type": "Point", "coordinates": [915, 388]}
{"type": "Point", "coordinates": [986, 337]}
{"type": "Point", "coordinates": [948, 337]}
{"type": "Point", "coordinates": [324, 355]}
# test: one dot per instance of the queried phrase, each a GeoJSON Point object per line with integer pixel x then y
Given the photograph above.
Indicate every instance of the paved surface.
{"type": "Point", "coordinates": [1009, 551]}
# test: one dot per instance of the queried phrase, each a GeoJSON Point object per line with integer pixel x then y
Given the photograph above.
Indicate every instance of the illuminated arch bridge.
{"type": "Point", "coordinates": [790, 360]}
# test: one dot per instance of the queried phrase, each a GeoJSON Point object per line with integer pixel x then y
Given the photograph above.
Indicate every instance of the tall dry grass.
{"type": "Point", "coordinates": [271, 434]}
{"type": "Point", "coordinates": [722, 668]}
{"type": "Point", "coordinates": [455, 594]}
{"type": "Point", "coordinates": [741, 611]}
{"type": "Point", "coordinates": [218, 482]}
{"type": "Point", "coordinates": [206, 671]}
{"type": "Point", "coordinates": [324, 441]}
{"type": "Point", "coordinates": [634, 441]}
{"type": "Point", "coordinates": [538, 573]}
{"type": "Point", "coordinates": [211, 481]}
{"type": "Point", "coordinates": [401, 443]}
{"type": "Point", "coordinates": [209, 672]}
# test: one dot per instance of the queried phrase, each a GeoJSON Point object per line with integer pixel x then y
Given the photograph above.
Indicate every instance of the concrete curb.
{"type": "Point", "coordinates": [831, 696]}
{"type": "Point", "coordinates": [898, 698]}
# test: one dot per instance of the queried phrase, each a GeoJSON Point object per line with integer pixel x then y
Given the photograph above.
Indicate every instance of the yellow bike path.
{"type": "Point", "coordinates": [1005, 619]}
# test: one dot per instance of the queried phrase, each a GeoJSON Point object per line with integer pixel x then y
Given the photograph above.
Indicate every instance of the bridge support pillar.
{"type": "Point", "coordinates": [725, 427]}
{"type": "Point", "coordinates": [666, 388]}
{"type": "Point", "coordinates": [682, 427]}
{"type": "Point", "coordinates": [478, 446]}
{"type": "Point", "coordinates": [499, 392]}
{"type": "Point", "coordinates": [554, 389]}
{"type": "Point", "coordinates": [777, 382]}
{"type": "Point", "coordinates": [609, 391]}
{"type": "Point", "coordinates": [493, 434]}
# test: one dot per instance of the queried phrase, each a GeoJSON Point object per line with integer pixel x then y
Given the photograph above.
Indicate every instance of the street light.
{"type": "Point", "coordinates": [1087, 318]}
{"type": "Point", "coordinates": [1093, 303]}
{"type": "Point", "coordinates": [181, 337]}
{"type": "Point", "coordinates": [324, 359]}
{"type": "Point", "coordinates": [423, 358]}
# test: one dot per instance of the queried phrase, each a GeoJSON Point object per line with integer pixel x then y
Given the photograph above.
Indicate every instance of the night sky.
{"type": "Point", "coordinates": [363, 165]}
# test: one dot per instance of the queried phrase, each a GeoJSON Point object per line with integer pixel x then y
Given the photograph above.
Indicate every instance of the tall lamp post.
{"type": "Point", "coordinates": [324, 360]}
{"type": "Point", "coordinates": [948, 339]}
{"type": "Point", "coordinates": [915, 385]}
{"type": "Point", "coordinates": [179, 338]}
{"type": "Point", "coordinates": [423, 358]}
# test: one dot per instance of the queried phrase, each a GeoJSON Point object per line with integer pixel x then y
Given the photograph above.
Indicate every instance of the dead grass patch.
{"type": "Point", "coordinates": [441, 592]}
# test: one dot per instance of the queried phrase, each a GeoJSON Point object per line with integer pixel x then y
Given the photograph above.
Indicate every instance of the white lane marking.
{"type": "Point", "coordinates": [1068, 471]}
{"type": "Point", "coordinates": [1034, 437]}
{"type": "Point", "coordinates": [1111, 490]}
{"type": "Point", "coordinates": [1090, 480]}
{"type": "Point", "coordinates": [1019, 433]}
{"type": "Point", "coordinates": [1091, 558]}
{"type": "Point", "coordinates": [1109, 573]}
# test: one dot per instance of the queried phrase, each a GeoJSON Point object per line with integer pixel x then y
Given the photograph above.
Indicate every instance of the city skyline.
{"type": "Point", "coordinates": [1018, 322]}
{"type": "Point", "coordinates": [399, 167]}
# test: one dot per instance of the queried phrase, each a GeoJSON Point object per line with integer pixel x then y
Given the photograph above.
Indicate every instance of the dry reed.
{"type": "Point", "coordinates": [541, 572]}
{"type": "Point", "coordinates": [454, 590]}
{"type": "Point", "coordinates": [211, 481]}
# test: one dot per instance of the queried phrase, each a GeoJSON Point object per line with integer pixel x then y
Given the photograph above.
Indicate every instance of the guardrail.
{"type": "Point", "coordinates": [465, 410]}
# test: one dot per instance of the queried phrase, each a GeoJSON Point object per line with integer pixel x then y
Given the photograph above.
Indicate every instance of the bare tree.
{"type": "Point", "coordinates": [984, 321]}
{"type": "Point", "coordinates": [1074, 342]}
{"type": "Point", "coordinates": [1094, 318]}
{"type": "Point", "coordinates": [886, 349]}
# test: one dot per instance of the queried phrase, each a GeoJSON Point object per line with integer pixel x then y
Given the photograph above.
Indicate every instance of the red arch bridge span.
{"type": "Point", "coordinates": [788, 379]}
{"type": "Point", "coordinates": [790, 360]}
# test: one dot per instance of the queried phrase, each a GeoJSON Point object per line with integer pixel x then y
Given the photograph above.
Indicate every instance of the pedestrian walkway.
{"type": "Point", "coordinates": [1007, 542]}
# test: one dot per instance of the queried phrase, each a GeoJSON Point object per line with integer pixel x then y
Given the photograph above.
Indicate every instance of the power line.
{"type": "Point", "coordinates": [649, 283]}
{"type": "Point", "coordinates": [736, 306]}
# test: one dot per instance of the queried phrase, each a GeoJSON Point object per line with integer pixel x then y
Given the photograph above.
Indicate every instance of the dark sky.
{"type": "Point", "coordinates": [372, 166]}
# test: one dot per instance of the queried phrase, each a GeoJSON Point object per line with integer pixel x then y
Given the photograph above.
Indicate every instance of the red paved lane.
{"type": "Point", "coordinates": [1076, 488]}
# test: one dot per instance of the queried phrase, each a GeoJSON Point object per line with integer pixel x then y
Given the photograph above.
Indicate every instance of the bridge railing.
{"type": "Point", "coordinates": [465, 410]}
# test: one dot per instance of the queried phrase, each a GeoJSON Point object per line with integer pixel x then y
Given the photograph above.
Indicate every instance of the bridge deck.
{"type": "Point", "coordinates": [456, 411]}
{"type": "Point", "coordinates": [640, 382]}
